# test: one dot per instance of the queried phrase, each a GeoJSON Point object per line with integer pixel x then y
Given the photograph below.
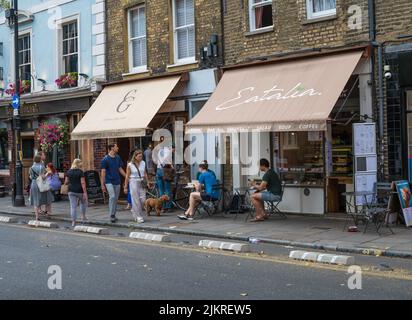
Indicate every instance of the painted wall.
{"type": "Point", "coordinates": [44, 29]}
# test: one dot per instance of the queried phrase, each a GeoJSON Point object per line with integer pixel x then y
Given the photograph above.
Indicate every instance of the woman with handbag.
{"type": "Point", "coordinates": [40, 193]}
{"type": "Point", "coordinates": [137, 181]}
{"type": "Point", "coordinates": [77, 190]}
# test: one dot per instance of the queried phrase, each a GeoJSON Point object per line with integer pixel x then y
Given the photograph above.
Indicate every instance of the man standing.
{"type": "Point", "coordinates": [269, 190]}
{"type": "Point", "coordinates": [149, 159]}
{"type": "Point", "coordinates": [112, 168]}
{"type": "Point", "coordinates": [164, 160]}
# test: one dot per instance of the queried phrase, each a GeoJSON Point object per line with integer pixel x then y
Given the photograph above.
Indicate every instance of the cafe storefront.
{"type": "Point", "coordinates": [299, 113]}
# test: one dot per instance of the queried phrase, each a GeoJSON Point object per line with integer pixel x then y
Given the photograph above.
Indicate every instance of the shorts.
{"type": "Point", "coordinates": [206, 197]}
{"type": "Point", "coordinates": [269, 196]}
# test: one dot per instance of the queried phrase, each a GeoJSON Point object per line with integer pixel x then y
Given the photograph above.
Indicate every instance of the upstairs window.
{"type": "Point", "coordinates": [320, 8]}
{"type": "Point", "coordinates": [137, 39]}
{"type": "Point", "coordinates": [260, 14]}
{"type": "Point", "coordinates": [184, 30]}
{"type": "Point", "coordinates": [24, 49]}
{"type": "Point", "coordinates": [1, 74]}
{"type": "Point", "coordinates": [70, 52]}
{"type": "Point", "coordinates": [1, 49]}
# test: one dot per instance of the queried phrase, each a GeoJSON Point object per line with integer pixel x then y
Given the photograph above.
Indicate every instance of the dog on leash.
{"type": "Point", "coordinates": [155, 204]}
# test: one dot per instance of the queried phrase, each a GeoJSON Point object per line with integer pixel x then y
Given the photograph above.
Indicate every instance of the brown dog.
{"type": "Point", "coordinates": [156, 204]}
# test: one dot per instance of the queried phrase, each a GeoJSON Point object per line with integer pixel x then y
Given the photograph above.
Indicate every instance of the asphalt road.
{"type": "Point", "coordinates": [96, 267]}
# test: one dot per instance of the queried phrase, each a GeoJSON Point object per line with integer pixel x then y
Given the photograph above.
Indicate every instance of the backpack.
{"type": "Point", "coordinates": [55, 183]}
{"type": "Point", "coordinates": [236, 204]}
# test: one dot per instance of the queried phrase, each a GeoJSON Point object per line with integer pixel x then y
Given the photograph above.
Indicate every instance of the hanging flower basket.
{"type": "Point", "coordinates": [52, 135]}
{"type": "Point", "coordinates": [25, 87]}
{"type": "Point", "coordinates": [68, 80]}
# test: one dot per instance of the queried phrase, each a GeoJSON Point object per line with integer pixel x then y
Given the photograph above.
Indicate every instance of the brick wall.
{"type": "Point", "coordinates": [158, 34]}
{"type": "Point", "coordinates": [291, 31]}
{"type": "Point", "coordinates": [99, 151]}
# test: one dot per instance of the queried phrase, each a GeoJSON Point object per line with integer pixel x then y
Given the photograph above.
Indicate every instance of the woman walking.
{"type": "Point", "coordinates": [136, 177]}
{"type": "Point", "coordinates": [77, 190]}
{"type": "Point", "coordinates": [38, 198]}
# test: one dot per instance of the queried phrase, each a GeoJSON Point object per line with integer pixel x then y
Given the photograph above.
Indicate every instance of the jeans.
{"type": "Point", "coordinates": [165, 187]}
{"type": "Point", "coordinates": [114, 192]}
{"type": "Point", "coordinates": [74, 198]}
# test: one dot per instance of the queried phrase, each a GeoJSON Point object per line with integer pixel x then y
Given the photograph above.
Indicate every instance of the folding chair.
{"type": "Point", "coordinates": [210, 206]}
{"type": "Point", "coordinates": [378, 211]}
{"type": "Point", "coordinates": [273, 206]}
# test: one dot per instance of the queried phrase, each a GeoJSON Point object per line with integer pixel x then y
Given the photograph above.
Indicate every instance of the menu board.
{"type": "Point", "coordinates": [364, 138]}
{"type": "Point", "coordinates": [365, 182]}
{"type": "Point", "coordinates": [93, 185]}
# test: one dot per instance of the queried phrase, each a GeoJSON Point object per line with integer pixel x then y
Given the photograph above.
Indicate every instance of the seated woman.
{"type": "Point", "coordinates": [204, 191]}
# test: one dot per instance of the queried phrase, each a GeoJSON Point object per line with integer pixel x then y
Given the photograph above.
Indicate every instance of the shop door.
{"type": "Point", "coordinates": [27, 146]}
{"type": "Point", "coordinates": [409, 126]}
{"type": "Point", "coordinates": [124, 153]}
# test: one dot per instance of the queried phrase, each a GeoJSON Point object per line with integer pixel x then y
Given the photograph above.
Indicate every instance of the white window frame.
{"type": "Point", "coordinates": [59, 41]}
{"type": "Point", "coordinates": [142, 68]}
{"type": "Point", "coordinates": [316, 15]}
{"type": "Point", "coordinates": [187, 60]}
{"type": "Point", "coordinates": [27, 33]}
{"type": "Point", "coordinates": [252, 18]}
{"type": "Point", "coordinates": [68, 40]}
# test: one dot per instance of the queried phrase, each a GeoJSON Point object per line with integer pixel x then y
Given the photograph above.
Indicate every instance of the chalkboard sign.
{"type": "Point", "coordinates": [93, 185]}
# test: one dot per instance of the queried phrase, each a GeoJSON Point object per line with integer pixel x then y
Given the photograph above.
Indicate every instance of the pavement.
{"type": "Point", "coordinates": [62, 264]}
{"type": "Point", "coordinates": [313, 232]}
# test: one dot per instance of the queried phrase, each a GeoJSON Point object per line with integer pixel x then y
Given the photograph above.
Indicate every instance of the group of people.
{"type": "Point", "coordinates": [137, 178]}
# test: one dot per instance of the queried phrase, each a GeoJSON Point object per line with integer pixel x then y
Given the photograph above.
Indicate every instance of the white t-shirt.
{"type": "Point", "coordinates": [133, 170]}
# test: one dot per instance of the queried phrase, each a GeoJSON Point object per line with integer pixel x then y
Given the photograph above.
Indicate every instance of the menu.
{"type": "Point", "coordinates": [364, 136]}
{"type": "Point", "coordinates": [93, 185]}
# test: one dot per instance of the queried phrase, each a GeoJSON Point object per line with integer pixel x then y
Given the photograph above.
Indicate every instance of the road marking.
{"type": "Point", "coordinates": [248, 256]}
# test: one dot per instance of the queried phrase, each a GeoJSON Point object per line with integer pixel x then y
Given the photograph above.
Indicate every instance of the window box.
{"type": "Point", "coordinates": [68, 80]}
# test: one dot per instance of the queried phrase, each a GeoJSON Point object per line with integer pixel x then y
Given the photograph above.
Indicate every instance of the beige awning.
{"type": "Point", "coordinates": [294, 95]}
{"type": "Point", "coordinates": [125, 110]}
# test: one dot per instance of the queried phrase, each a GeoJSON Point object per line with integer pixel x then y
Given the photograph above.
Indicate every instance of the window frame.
{"type": "Point", "coordinates": [316, 15]}
{"type": "Point", "coordinates": [132, 68]}
{"type": "Point", "coordinates": [176, 59]}
{"type": "Point", "coordinates": [1, 74]}
{"type": "Point", "coordinates": [28, 34]}
{"type": "Point", "coordinates": [1, 49]}
{"type": "Point", "coordinates": [62, 40]}
{"type": "Point", "coordinates": [252, 21]}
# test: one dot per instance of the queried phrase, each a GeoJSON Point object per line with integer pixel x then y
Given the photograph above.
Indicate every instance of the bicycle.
{"type": "Point", "coordinates": [180, 197]}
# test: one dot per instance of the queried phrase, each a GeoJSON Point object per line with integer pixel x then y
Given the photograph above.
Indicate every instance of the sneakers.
{"type": "Point", "coordinates": [182, 217]}
{"type": "Point", "coordinates": [139, 220]}
{"type": "Point", "coordinates": [113, 219]}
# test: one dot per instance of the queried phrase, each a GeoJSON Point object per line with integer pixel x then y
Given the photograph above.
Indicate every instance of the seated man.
{"type": "Point", "coordinates": [269, 190]}
{"type": "Point", "coordinates": [208, 170]}
{"type": "Point", "coordinates": [206, 180]}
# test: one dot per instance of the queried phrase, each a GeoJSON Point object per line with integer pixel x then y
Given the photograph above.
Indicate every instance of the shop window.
{"type": "Point", "coordinates": [320, 8]}
{"type": "Point", "coordinates": [82, 149]}
{"type": "Point", "coordinates": [27, 146]}
{"type": "Point", "coordinates": [184, 30]}
{"type": "Point", "coordinates": [301, 159]}
{"type": "Point", "coordinates": [409, 124]}
{"type": "Point", "coordinates": [4, 158]}
{"type": "Point", "coordinates": [137, 39]}
{"type": "Point", "coordinates": [260, 14]}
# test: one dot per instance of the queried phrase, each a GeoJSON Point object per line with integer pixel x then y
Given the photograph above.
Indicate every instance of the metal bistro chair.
{"type": "Point", "coordinates": [378, 211]}
{"type": "Point", "coordinates": [273, 206]}
{"type": "Point", "coordinates": [211, 206]}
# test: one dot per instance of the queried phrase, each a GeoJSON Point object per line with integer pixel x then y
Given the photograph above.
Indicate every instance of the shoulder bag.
{"type": "Point", "coordinates": [143, 180]}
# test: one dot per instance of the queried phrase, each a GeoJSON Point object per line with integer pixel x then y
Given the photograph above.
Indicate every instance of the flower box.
{"type": "Point", "coordinates": [68, 80]}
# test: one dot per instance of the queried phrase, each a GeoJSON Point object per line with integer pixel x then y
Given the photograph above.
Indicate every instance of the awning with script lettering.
{"type": "Point", "coordinates": [296, 95]}
{"type": "Point", "coordinates": [125, 110]}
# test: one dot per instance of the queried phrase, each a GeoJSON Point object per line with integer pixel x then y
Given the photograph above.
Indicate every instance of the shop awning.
{"type": "Point", "coordinates": [295, 95]}
{"type": "Point", "coordinates": [125, 110]}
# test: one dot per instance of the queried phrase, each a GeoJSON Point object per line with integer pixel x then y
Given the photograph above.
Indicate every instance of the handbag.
{"type": "Point", "coordinates": [64, 189]}
{"type": "Point", "coordinates": [43, 184]}
{"type": "Point", "coordinates": [143, 181]}
{"type": "Point", "coordinates": [168, 172]}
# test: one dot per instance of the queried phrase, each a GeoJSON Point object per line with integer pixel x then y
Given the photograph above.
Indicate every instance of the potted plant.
{"type": "Point", "coordinates": [52, 134]}
{"type": "Point", "coordinates": [68, 80]}
{"type": "Point", "coordinates": [25, 87]}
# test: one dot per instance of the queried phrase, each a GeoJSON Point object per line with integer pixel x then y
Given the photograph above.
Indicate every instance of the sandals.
{"type": "Point", "coordinates": [257, 220]}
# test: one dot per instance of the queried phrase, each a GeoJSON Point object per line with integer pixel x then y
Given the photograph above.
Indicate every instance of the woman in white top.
{"type": "Point", "coordinates": [135, 173]}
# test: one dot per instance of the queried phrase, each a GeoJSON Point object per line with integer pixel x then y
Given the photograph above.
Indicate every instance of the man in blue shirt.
{"type": "Point", "coordinates": [204, 191]}
{"type": "Point", "coordinates": [112, 168]}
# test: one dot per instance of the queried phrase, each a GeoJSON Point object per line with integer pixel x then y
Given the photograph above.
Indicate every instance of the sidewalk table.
{"type": "Point", "coordinates": [353, 207]}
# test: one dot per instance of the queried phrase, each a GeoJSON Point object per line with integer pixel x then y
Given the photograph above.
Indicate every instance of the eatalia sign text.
{"type": "Point", "coordinates": [298, 91]}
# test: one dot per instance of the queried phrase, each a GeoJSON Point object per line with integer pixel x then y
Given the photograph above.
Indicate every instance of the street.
{"type": "Point", "coordinates": [114, 267]}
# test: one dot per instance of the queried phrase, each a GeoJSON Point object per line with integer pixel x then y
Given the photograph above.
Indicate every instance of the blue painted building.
{"type": "Point", "coordinates": [61, 65]}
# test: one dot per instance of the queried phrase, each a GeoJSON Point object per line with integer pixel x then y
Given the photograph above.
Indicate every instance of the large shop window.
{"type": "Point", "coordinates": [260, 14]}
{"type": "Point", "coordinates": [137, 39]}
{"type": "Point", "coordinates": [4, 147]}
{"type": "Point", "coordinates": [70, 53]}
{"type": "Point", "coordinates": [320, 8]}
{"type": "Point", "coordinates": [300, 157]}
{"type": "Point", "coordinates": [24, 48]}
{"type": "Point", "coordinates": [184, 30]}
{"type": "Point", "coordinates": [81, 149]}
